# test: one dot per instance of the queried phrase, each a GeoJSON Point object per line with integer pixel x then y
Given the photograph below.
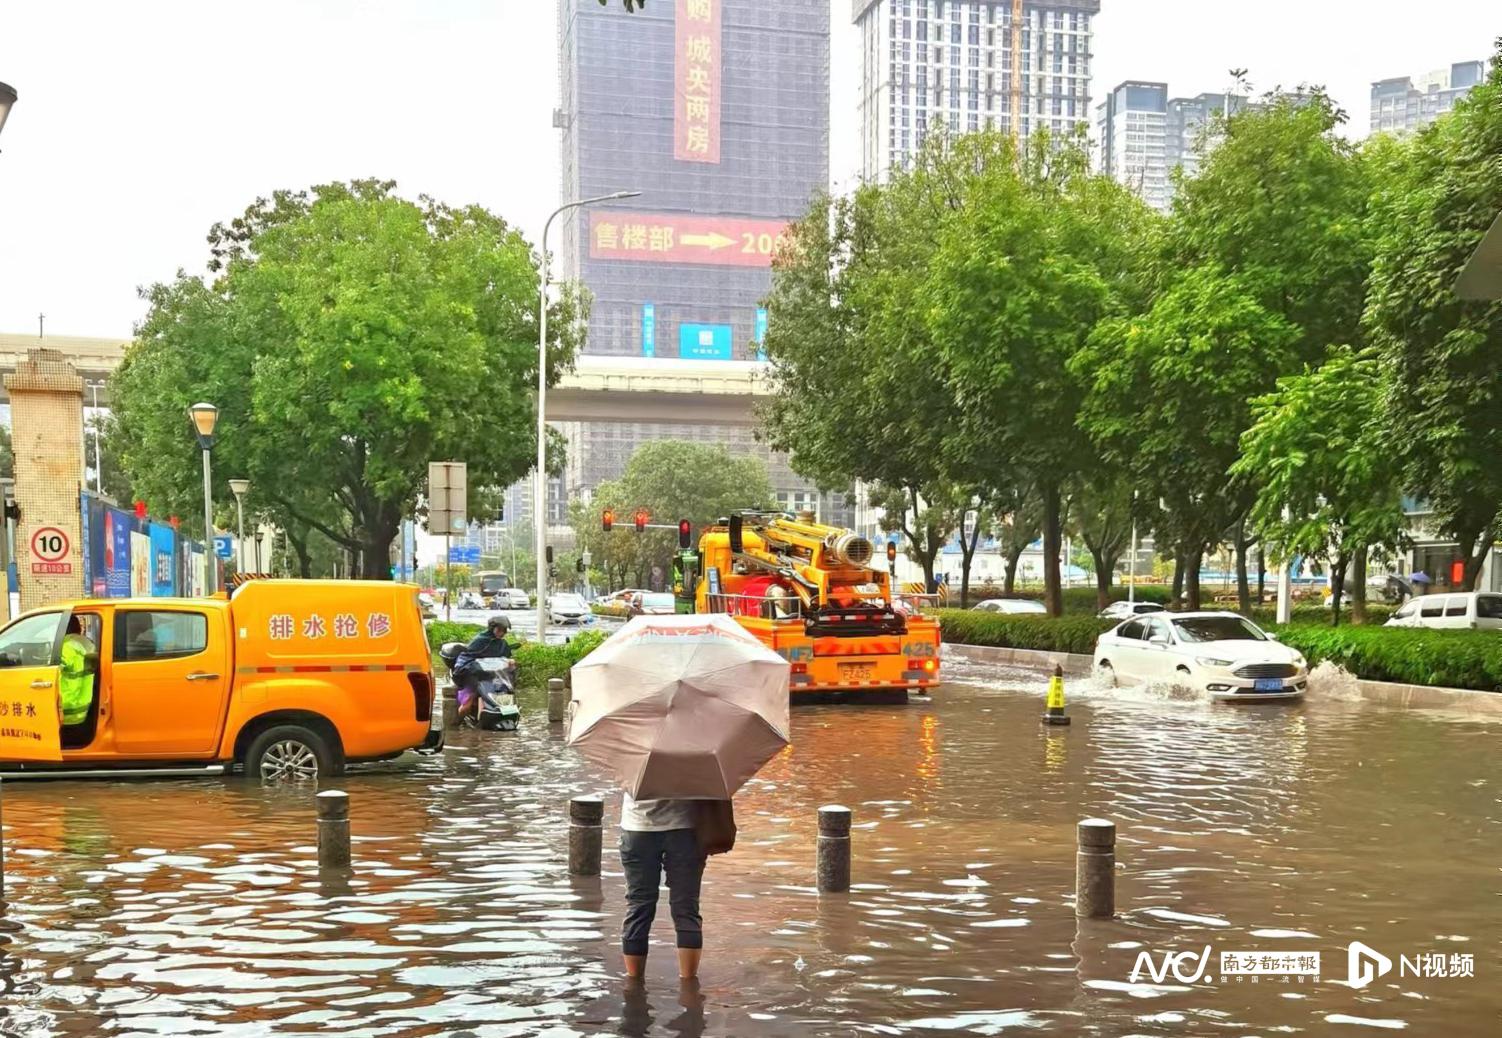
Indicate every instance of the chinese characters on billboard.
{"type": "Point", "coordinates": [696, 85]}
{"type": "Point", "coordinates": [732, 241]}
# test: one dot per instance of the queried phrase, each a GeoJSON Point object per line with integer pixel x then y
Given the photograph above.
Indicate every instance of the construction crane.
{"type": "Point", "coordinates": [1017, 71]}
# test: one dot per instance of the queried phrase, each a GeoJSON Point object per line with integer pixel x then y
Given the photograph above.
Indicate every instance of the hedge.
{"type": "Point", "coordinates": [1075, 634]}
{"type": "Point", "coordinates": [1076, 599]}
{"type": "Point", "coordinates": [535, 663]}
{"type": "Point", "coordinates": [1451, 659]}
{"type": "Point", "coordinates": [612, 609]}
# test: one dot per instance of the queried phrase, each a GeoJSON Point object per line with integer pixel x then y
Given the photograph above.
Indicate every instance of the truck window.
{"type": "Point", "coordinates": [30, 642]}
{"type": "Point", "coordinates": [142, 634]}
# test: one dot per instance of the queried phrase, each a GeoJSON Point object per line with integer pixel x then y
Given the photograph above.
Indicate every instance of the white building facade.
{"type": "Point", "coordinates": [932, 63]}
{"type": "Point", "coordinates": [1405, 104]}
{"type": "Point", "coordinates": [1132, 133]}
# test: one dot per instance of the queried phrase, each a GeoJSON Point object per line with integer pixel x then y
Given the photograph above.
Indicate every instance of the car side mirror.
{"type": "Point", "coordinates": [1158, 639]}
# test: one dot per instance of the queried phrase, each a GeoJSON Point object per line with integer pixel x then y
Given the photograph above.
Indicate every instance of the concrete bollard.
{"type": "Point", "coordinates": [557, 700]}
{"type": "Point", "coordinates": [1095, 869]}
{"type": "Point", "coordinates": [586, 816]}
{"type": "Point", "coordinates": [333, 829]}
{"type": "Point", "coordinates": [833, 866]}
{"type": "Point", "coordinates": [1055, 714]}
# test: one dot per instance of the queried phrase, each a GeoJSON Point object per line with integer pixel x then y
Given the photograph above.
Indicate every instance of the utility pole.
{"type": "Point", "coordinates": [1017, 71]}
{"type": "Point", "coordinates": [41, 326]}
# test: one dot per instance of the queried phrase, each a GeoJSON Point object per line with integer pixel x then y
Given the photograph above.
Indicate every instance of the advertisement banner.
{"type": "Point", "coordinates": [94, 540]}
{"type": "Point", "coordinates": [696, 81]}
{"type": "Point", "coordinates": [140, 565]}
{"type": "Point", "coordinates": [705, 341]}
{"type": "Point", "coordinates": [648, 330]}
{"type": "Point", "coordinates": [163, 552]}
{"type": "Point", "coordinates": [117, 530]}
{"type": "Point", "coordinates": [723, 241]}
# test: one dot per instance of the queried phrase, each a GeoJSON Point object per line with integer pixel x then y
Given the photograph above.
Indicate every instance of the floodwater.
{"type": "Point", "coordinates": [195, 908]}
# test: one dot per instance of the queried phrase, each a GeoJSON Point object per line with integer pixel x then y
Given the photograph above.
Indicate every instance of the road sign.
{"type": "Point", "coordinates": [447, 495]}
{"type": "Point", "coordinates": [49, 551]}
{"type": "Point", "coordinates": [460, 555]}
{"type": "Point", "coordinates": [224, 546]}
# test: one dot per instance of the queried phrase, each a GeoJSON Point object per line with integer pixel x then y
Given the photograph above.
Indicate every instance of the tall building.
{"type": "Point", "coordinates": [717, 111]}
{"type": "Point", "coordinates": [931, 62]}
{"type": "Point", "coordinates": [1132, 130]}
{"type": "Point", "coordinates": [1404, 104]}
{"type": "Point", "coordinates": [1190, 122]}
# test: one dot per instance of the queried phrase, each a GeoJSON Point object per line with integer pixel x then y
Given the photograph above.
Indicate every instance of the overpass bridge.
{"type": "Point", "coordinates": [599, 389]}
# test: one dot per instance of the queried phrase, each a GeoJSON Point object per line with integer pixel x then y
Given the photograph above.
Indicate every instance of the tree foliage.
{"type": "Point", "coordinates": [349, 338]}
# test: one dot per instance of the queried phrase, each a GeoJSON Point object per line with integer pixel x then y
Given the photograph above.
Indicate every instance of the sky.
{"type": "Point", "coordinates": [140, 124]}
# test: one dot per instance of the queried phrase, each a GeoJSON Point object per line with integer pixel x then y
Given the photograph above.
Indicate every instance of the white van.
{"type": "Point", "coordinates": [1468, 610]}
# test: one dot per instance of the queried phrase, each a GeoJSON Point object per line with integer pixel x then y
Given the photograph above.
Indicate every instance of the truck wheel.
{"type": "Point", "coordinates": [289, 752]}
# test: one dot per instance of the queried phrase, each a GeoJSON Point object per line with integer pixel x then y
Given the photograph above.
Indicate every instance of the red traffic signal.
{"type": "Point", "coordinates": [640, 520]}
{"type": "Point", "coordinates": [891, 553]}
{"type": "Point", "coordinates": [608, 519]}
{"type": "Point", "coordinates": [685, 533]}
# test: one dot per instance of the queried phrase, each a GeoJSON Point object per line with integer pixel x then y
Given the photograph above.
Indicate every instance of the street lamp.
{"type": "Point", "coordinates": [540, 477]}
{"type": "Point", "coordinates": [204, 417]}
{"type": "Point", "coordinates": [259, 535]}
{"type": "Point", "coordinates": [240, 487]}
{"type": "Point", "coordinates": [7, 98]}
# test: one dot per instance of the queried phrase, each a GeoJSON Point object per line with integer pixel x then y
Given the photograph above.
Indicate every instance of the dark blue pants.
{"type": "Point", "coordinates": [645, 856]}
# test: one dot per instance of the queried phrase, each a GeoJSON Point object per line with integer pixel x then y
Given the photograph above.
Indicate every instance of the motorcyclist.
{"type": "Point", "coordinates": [488, 644]}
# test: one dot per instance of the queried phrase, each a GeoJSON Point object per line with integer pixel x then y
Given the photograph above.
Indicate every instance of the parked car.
{"type": "Point", "coordinates": [1013, 607]}
{"type": "Point", "coordinates": [1464, 610]}
{"type": "Point", "coordinates": [1123, 610]}
{"type": "Point", "coordinates": [652, 603]}
{"type": "Point", "coordinates": [1223, 654]}
{"type": "Point", "coordinates": [510, 598]}
{"type": "Point", "coordinates": [568, 608]}
{"type": "Point", "coordinates": [287, 679]}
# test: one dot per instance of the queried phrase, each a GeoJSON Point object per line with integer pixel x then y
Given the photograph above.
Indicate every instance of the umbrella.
{"type": "Point", "coordinates": [1420, 578]}
{"type": "Point", "coordinates": [681, 707]}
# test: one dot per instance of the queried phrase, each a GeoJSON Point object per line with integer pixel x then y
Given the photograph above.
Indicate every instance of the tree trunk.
{"type": "Point", "coordinates": [304, 557]}
{"type": "Point", "coordinates": [1178, 579]}
{"type": "Point", "coordinates": [374, 556]}
{"type": "Point", "coordinates": [1103, 568]}
{"type": "Point", "coordinates": [1014, 559]}
{"type": "Point", "coordinates": [1338, 584]}
{"type": "Point", "coordinates": [1358, 591]}
{"type": "Point", "coordinates": [967, 549]}
{"type": "Point", "coordinates": [1192, 579]}
{"type": "Point", "coordinates": [1053, 593]}
{"type": "Point", "coordinates": [1474, 548]}
{"type": "Point", "coordinates": [1262, 573]}
{"type": "Point", "coordinates": [1243, 585]}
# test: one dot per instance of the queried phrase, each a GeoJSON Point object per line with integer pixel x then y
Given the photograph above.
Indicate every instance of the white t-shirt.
{"type": "Point", "coordinates": [655, 816]}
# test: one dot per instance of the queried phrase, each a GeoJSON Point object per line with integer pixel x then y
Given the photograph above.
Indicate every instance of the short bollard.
{"type": "Point", "coordinates": [333, 829]}
{"type": "Point", "coordinates": [557, 700]}
{"type": "Point", "coordinates": [833, 865]}
{"type": "Point", "coordinates": [585, 832]}
{"type": "Point", "coordinates": [1055, 714]}
{"type": "Point", "coordinates": [1095, 869]}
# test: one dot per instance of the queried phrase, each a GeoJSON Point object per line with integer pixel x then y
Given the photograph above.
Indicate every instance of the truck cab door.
{"type": "Point", "coordinates": [30, 679]}
{"type": "Point", "coordinates": [170, 680]}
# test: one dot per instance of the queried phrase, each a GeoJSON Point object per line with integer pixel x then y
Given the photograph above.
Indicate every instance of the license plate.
{"type": "Point", "coordinates": [1267, 685]}
{"type": "Point", "coordinates": [857, 671]}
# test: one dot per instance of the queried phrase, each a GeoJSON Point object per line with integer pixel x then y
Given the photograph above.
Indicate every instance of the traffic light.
{"type": "Point", "coordinates": [549, 553]}
{"type": "Point", "coordinates": [892, 557]}
{"type": "Point", "coordinates": [579, 564]}
{"type": "Point", "coordinates": [685, 534]}
{"type": "Point", "coordinates": [640, 519]}
{"type": "Point", "coordinates": [608, 519]}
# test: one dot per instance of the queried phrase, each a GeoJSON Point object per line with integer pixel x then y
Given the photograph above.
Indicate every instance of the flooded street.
{"type": "Point", "coordinates": [196, 908]}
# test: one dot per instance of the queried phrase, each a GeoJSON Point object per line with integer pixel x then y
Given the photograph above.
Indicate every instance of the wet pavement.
{"type": "Point", "coordinates": [196, 908]}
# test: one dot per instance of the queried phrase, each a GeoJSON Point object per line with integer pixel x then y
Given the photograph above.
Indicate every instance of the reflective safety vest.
{"type": "Point", "coordinates": [77, 683]}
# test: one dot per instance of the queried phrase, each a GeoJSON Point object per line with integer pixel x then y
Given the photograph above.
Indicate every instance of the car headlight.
{"type": "Point", "coordinates": [1211, 661]}
{"type": "Point", "coordinates": [1299, 661]}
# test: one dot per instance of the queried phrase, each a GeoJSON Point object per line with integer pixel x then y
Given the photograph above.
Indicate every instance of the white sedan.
{"type": "Point", "coordinates": [568, 608]}
{"type": "Point", "coordinates": [1013, 607]}
{"type": "Point", "coordinates": [1122, 610]}
{"type": "Point", "coordinates": [1226, 655]}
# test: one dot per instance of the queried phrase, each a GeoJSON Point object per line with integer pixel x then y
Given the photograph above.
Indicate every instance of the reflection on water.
{"type": "Point", "coordinates": [198, 907]}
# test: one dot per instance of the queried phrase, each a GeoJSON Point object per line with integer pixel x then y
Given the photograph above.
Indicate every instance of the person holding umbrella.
{"type": "Point", "coordinates": [683, 710]}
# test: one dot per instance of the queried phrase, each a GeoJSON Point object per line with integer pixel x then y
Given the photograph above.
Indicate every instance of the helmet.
{"type": "Point", "coordinates": [500, 621]}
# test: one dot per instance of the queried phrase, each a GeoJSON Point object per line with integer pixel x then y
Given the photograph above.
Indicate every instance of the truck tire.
{"type": "Point", "coordinates": [290, 752]}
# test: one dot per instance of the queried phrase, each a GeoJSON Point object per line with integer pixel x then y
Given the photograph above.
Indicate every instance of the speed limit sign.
{"type": "Point", "coordinates": [49, 551]}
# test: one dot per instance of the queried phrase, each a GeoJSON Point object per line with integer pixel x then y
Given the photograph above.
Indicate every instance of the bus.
{"type": "Point", "coordinates": [492, 582]}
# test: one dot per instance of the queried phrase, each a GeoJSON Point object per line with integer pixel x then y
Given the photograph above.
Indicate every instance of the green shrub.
{"type": "Point", "coordinates": [1077, 600]}
{"type": "Point", "coordinates": [612, 609]}
{"type": "Point", "coordinates": [441, 632]}
{"type": "Point", "coordinates": [1066, 634]}
{"type": "Point", "coordinates": [535, 663]}
{"type": "Point", "coordinates": [1315, 615]}
{"type": "Point", "coordinates": [1453, 659]}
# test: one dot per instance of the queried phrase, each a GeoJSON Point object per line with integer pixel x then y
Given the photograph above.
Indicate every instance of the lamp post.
{"type": "Point", "coordinates": [240, 487]}
{"type": "Point", "coordinates": [7, 98]}
{"type": "Point", "coordinates": [204, 417]}
{"type": "Point", "coordinates": [94, 385]}
{"type": "Point", "coordinates": [540, 477]}
{"type": "Point", "coordinates": [259, 535]}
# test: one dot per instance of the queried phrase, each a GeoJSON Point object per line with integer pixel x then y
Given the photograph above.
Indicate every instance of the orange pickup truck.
{"type": "Point", "coordinates": [285, 679]}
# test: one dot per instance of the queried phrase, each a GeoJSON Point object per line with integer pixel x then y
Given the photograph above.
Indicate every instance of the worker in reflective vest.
{"type": "Point", "coordinates": [78, 659]}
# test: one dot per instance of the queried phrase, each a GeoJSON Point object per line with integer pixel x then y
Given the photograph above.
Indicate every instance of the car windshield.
{"type": "Point", "coordinates": [568, 601]}
{"type": "Point", "coordinates": [1217, 629]}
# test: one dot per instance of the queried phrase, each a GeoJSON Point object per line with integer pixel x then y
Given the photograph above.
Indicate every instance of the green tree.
{"type": "Point", "coordinates": [671, 480]}
{"type": "Point", "coordinates": [349, 338]}
{"type": "Point", "coordinates": [1318, 447]}
{"type": "Point", "coordinates": [1437, 193]}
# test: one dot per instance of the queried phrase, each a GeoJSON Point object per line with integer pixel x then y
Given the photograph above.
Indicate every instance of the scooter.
{"type": "Point", "coordinates": [493, 680]}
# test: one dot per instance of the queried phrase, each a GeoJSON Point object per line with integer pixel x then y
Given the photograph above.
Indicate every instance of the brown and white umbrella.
{"type": "Point", "coordinates": [680, 707]}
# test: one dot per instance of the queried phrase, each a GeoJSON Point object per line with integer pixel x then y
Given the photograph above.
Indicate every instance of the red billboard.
{"type": "Point", "coordinates": [696, 82]}
{"type": "Point", "coordinates": [733, 241]}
